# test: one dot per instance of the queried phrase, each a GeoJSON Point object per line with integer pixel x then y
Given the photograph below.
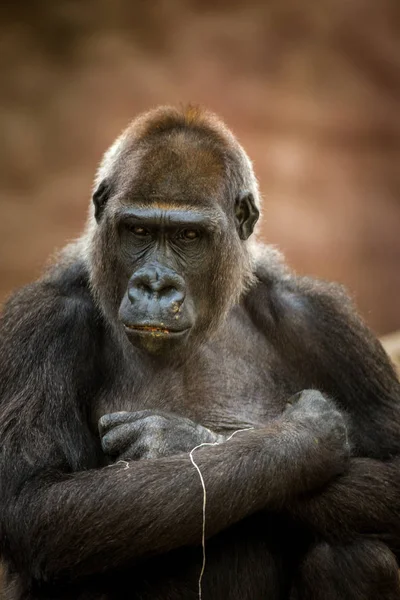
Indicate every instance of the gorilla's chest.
{"type": "Point", "coordinates": [238, 380]}
{"type": "Point", "coordinates": [222, 391]}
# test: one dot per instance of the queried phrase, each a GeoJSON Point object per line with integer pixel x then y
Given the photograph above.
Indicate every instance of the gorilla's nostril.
{"type": "Point", "coordinates": [167, 290]}
{"type": "Point", "coordinates": [145, 287]}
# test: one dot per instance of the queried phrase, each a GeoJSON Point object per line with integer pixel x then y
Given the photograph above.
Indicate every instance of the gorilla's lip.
{"type": "Point", "coordinates": [154, 329]}
{"type": "Point", "coordinates": [150, 328]}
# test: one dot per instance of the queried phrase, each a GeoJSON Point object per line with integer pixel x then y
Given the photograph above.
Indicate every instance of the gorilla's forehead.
{"type": "Point", "coordinates": [176, 170]}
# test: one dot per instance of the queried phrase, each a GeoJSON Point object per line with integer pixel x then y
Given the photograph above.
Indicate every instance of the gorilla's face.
{"type": "Point", "coordinates": [176, 245]}
{"type": "Point", "coordinates": [169, 254]}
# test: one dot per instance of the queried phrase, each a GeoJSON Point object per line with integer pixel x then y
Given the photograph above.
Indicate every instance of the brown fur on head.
{"type": "Point", "coordinates": [170, 160]}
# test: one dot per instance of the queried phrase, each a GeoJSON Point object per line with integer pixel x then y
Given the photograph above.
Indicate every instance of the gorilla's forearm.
{"type": "Point", "coordinates": [142, 508]}
{"type": "Point", "coordinates": [366, 499]}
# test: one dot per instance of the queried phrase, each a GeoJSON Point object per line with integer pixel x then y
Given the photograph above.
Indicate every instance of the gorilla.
{"type": "Point", "coordinates": [125, 370]}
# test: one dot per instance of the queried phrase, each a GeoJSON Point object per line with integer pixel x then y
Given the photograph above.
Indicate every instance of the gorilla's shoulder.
{"type": "Point", "coordinates": [281, 298]}
{"type": "Point", "coordinates": [61, 299]}
{"type": "Point", "coordinates": [273, 286]}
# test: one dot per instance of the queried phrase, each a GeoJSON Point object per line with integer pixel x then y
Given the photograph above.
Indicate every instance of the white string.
{"type": "Point", "coordinates": [203, 533]}
{"type": "Point", "coordinates": [120, 462]}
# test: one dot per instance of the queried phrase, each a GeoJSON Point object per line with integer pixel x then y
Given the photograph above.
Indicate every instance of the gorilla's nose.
{"type": "Point", "coordinates": [159, 283]}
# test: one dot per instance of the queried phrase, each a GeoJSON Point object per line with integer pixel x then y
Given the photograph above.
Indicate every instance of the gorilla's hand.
{"type": "Point", "coordinates": [150, 434]}
{"type": "Point", "coordinates": [318, 414]}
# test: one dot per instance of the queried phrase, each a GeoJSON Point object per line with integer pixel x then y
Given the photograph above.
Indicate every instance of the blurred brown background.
{"type": "Point", "coordinates": [311, 88]}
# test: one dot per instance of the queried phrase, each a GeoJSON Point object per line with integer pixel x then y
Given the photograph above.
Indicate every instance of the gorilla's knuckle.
{"type": "Point", "coordinates": [313, 401]}
{"type": "Point", "coordinates": [112, 420]}
{"type": "Point", "coordinates": [108, 443]}
{"type": "Point", "coordinates": [104, 424]}
{"type": "Point", "coordinates": [153, 424]}
{"type": "Point", "coordinates": [336, 418]}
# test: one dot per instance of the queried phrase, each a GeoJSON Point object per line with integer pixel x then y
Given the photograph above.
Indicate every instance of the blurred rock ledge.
{"type": "Point", "coordinates": [391, 343]}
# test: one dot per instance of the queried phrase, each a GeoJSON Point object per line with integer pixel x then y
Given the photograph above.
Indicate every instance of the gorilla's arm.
{"type": "Point", "coordinates": [314, 327]}
{"type": "Point", "coordinates": [363, 500]}
{"type": "Point", "coordinates": [62, 515]}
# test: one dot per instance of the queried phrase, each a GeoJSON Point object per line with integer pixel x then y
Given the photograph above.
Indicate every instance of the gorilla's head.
{"type": "Point", "coordinates": [175, 202]}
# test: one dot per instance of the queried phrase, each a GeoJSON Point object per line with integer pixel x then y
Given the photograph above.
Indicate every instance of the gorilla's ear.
{"type": "Point", "coordinates": [247, 214]}
{"type": "Point", "coordinates": [100, 197]}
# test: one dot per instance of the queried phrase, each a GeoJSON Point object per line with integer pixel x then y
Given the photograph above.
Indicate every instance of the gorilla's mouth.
{"type": "Point", "coordinates": [149, 328]}
{"type": "Point", "coordinates": [155, 330]}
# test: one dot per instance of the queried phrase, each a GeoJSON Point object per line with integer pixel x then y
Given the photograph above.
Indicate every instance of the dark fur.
{"type": "Point", "coordinates": [289, 514]}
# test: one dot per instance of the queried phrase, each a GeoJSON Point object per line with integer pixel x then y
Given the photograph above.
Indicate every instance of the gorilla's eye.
{"type": "Point", "coordinates": [189, 235]}
{"type": "Point", "coordinates": [139, 231]}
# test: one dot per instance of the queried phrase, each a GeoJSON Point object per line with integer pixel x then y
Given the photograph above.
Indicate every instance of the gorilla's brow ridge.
{"type": "Point", "coordinates": [215, 217]}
